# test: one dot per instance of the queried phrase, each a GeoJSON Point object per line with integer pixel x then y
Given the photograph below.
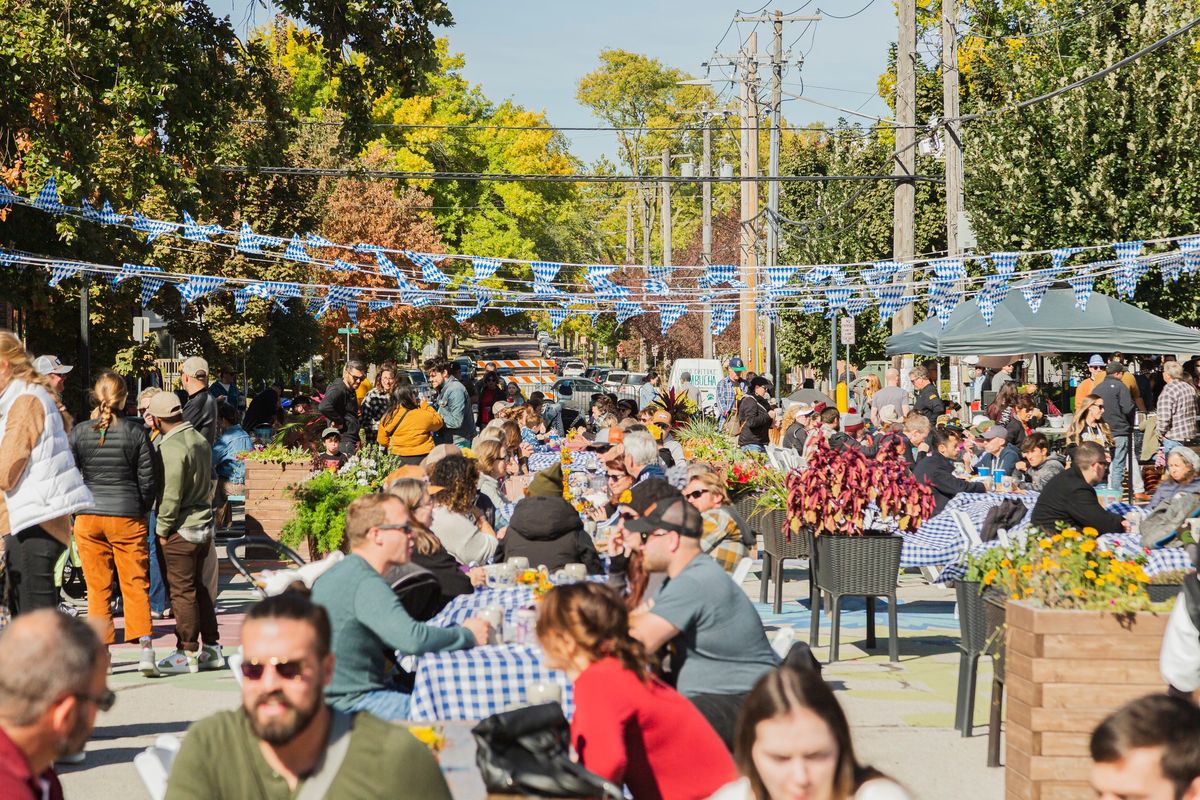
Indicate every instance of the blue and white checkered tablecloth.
{"type": "Point", "coordinates": [937, 543]}
{"type": "Point", "coordinates": [581, 460]}
{"type": "Point", "coordinates": [510, 598]}
{"type": "Point", "coordinates": [474, 684]}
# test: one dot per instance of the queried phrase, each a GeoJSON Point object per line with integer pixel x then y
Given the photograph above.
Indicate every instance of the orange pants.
{"type": "Point", "coordinates": [120, 542]}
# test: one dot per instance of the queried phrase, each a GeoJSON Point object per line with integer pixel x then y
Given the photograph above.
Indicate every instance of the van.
{"type": "Point", "coordinates": [706, 373]}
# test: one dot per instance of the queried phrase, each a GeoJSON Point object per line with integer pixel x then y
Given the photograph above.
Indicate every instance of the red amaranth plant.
{"type": "Point", "coordinates": [832, 495]}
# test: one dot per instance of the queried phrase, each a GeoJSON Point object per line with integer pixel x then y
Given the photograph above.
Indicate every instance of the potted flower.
{"type": "Point", "coordinates": [1166, 585]}
{"type": "Point", "coordinates": [270, 471]}
{"type": "Point", "coordinates": [318, 519]}
{"type": "Point", "coordinates": [854, 508]}
{"type": "Point", "coordinates": [1082, 637]}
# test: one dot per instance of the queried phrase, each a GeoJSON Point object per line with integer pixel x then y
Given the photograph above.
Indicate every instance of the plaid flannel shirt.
{"type": "Point", "coordinates": [374, 406]}
{"type": "Point", "coordinates": [722, 540]}
{"type": "Point", "coordinates": [1176, 412]}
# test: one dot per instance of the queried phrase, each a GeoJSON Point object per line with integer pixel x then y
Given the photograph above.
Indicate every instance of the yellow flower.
{"type": "Point", "coordinates": [1056, 537]}
{"type": "Point", "coordinates": [1092, 564]}
{"type": "Point", "coordinates": [1049, 563]}
{"type": "Point", "coordinates": [1087, 546]}
{"type": "Point", "coordinates": [1070, 533]}
{"type": "Point", "coordinates": [1131, 588]}
{"type": "Point", "coordinates": [1090, 574]}
{"type": "Point", "coordinates": [1026, 569]}
{"type": "Point", "coordinates": [1066, 551]}
{"type": "Point", "coordinates": [989, 577]}
{"type": "Point", "coordinates": [1006, 563]}
{"type": "Point", "coordinates": [1028, 590]}
{"type": "Point", "coordinates": [1090, 532]}
{"type": "Point", "coordinates": [1100, 581]}
{"type": "Point", "coordinates": [626, 497]}
{"type": "Point", "coordinates": [1105, 554]}
{"type": "Point", "coordinates": [1016, 596]}
{"type": "Point", "coordinates": [1077, 592]}
{"type": "Point", "coordinates": [1045, 544]}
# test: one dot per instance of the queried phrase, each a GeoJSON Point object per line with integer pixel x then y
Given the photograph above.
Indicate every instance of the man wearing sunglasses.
{"type": "Point", "coordinates": [721, 635]}
{"type": "Point", "coordinates": [285, 741]}
{"type": "Point", "coordinates": [340, 404]}
{"type": "Point", "coordinates": [369, 621]}
{"type": "Point", "coordinates": [47, 713]}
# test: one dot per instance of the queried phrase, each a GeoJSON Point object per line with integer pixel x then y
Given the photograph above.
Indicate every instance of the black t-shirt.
{"type": "Point", "coordinates": [929, 404]}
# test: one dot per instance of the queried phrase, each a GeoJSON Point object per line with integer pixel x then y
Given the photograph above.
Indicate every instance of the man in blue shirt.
{"type": "Point", "coordinates": [453, 403]}
{"type": "Point", "coordinates": [230, 469]}
{"type": "Point", "coordinates": [997, 453]}
{"type": "Point", "coordinates": [731, 386]}
{"type": "Point", "coordinates": [648, 391]}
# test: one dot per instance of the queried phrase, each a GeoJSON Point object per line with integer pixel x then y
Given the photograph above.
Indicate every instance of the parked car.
{"type": "Point", "coordinates": [580, 398]}
{"type": "Point", "coordinates": [630, 385]}
{"type": "Point", "coordinates": [572, 369]}
{"type": "Point", "coordinates": [597, 374]}
{"type": "Point", "coordinates": [612, 381]}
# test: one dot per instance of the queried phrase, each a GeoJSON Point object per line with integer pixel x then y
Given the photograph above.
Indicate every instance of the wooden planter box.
{"type": "Point", "coordinates": [268, 506]}
{"type": "Point", "coordinates": [1065, 672]}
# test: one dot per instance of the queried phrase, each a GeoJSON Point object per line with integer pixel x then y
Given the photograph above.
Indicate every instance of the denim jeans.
{"type": "Point", "coordinates": [754, 448]}
{"type": "Point", "coordinates": [1168, 445]}
{"type": "Point", "coordinates": [386, 704]}
{"type": "Point", "coordinates": [552, 414]}
{"type": "Point", "coordinates": [1120, 457]}
{"type": "Point", "coordinates": [158, 587]}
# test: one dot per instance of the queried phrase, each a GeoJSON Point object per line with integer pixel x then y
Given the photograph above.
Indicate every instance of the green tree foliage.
{"type": "Point", "coordinates": [1111, 161]}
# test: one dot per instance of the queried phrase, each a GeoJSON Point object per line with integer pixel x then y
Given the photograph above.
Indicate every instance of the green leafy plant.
{"type": "Point", "coordinates": [320, 514]}
{"type": "Point", "coordinates": [276, 453]}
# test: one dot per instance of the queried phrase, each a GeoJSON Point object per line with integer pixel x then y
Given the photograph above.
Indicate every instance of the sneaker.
{"type": "Point", "coordinates": [146, 663]}
{"type": "Point", "coordinates": [178, 663]}
{"type": "Point", "coordinates": [210, 657]}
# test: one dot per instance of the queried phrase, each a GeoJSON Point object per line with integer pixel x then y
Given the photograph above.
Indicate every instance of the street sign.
{"type": "Point", "coordinates": [347, 330]}
{"type": "Point", "coordinates": [141, 329]}
{"type": "Point", "coordinates": [847, 330]}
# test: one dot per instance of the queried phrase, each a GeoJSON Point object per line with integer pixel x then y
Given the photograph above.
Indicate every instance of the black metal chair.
{"type": "Point", "coordinates": [854, 566]}
{"type": "Point", "coordinates": [994, 613]}
{"type": "Point", "coordinates": [972, 644]}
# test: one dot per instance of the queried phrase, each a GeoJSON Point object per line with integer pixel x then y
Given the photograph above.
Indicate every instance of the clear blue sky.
{"type": "Point", "coordinates": [534, 51]}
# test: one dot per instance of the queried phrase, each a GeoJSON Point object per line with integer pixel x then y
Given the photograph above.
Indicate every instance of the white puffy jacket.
{"type": "Point", "coordinates": [51, 485]}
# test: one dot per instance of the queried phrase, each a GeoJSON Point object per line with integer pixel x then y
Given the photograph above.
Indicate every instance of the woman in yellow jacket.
{"type": "Point", "coordinates": [406, 430]}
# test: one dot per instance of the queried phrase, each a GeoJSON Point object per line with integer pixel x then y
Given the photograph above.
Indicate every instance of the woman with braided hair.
{"type": "Point", "coordinates": [117, 461]}
{"type": "Point", "coordinates": [629, 727]}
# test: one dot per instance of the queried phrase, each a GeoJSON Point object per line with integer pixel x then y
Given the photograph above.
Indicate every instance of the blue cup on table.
{"type": "Point", "coordinates": [985, 472]}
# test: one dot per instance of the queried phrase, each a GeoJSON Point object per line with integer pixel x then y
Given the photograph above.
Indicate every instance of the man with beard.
{"type": "Point", "coordinates": [47, 713]}
{"type": "Point", "coordinates": [285, 741]}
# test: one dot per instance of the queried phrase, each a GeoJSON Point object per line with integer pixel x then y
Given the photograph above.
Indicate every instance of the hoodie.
{"type": "Point", "coordinates": [548, 531]}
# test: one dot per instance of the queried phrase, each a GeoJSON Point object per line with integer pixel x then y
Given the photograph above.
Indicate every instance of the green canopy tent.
{"type": "Point", "coordinates": [1058, 327]}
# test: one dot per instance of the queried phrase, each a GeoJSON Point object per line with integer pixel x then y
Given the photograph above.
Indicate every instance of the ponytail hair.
{"type": "Point", "coordinates": [109, 394]}
{"type": "Point", "coordinates": [595, 617]}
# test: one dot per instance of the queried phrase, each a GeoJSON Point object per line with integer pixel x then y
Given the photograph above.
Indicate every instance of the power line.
{"type": "Point", "coordinates": [686, 128]}
{"type": "Point", "coordinates": [307, 172]}
{"type": "Point", "coordinates": [849, 16]}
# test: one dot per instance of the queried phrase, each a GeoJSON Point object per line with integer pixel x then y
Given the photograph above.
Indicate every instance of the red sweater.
{"type": "Point", "coordinates": [646, 736]}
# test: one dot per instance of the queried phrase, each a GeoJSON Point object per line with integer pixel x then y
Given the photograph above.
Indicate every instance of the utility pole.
{"type": "Point", "coordinates": [630, 236]}
{"type": "Point", "coordinates": [706, 227]}
{"type": "Point", "coordinates": [749, 326]}
{"type": "Point", "coordinates": [749, 233]}
{"type": "Point", "coordinates": [666, 208]}
{"type": "Point", "coordinates": [904, 207]}
{"type": "Point", "coordinates": [645, 224]}
{"type": "Point", "coordinates": [954, 155]}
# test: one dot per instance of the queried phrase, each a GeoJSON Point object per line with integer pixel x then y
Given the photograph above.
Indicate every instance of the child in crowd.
{"type": "Point", "coordinates": [331, 459]}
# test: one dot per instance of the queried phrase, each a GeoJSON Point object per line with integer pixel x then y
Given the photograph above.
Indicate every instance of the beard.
{"type": "Point", "coordinates": [78, 737]}
{"type": "Point", "coordinates": [284, 728]}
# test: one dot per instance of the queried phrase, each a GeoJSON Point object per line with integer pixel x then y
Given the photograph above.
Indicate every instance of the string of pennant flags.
{"type": "Point", "coordinates": [670, 291]}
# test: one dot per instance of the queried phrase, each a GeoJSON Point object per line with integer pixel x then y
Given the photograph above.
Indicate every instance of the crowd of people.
{"type": "Point", "coordinates": [677, 690]}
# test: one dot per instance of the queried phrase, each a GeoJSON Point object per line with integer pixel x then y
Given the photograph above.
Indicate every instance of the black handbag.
{"type": "Point", "coordinates": [527, 751]}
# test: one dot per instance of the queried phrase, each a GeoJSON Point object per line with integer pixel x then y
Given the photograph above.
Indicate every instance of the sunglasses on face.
{"type": "Point", "coordinates": [403, 527]}
{"type": "Point", "coordinates": [357, 378]}
{"type": "Point", "coordinates": [613, 477]}
{"type": "Point", "coordinates": [104, 701]}
{"type": "Point", "coordinates": [288, 670]}
{"type": "Point", "coordinates": [696, 494]}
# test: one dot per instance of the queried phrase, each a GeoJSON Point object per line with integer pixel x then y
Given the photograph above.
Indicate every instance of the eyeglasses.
{"type": "Point", "coordinates": [288, 670]}
{"type": "Point", "coordinates": [357, 378]}
{"type": "Point", "coordinates": [613, 477]}
{"type": "Point", "coordinates": [696, 494]}
{"type": "Point", "coordinates": [647, 534]}
{"type": "Point", "coordinates": [403, 527]}
{"type": "Point", "coordinates": [104, 701]}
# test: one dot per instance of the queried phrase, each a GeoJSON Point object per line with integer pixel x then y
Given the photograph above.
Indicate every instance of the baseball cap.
{"type": "Point", "coordinates": [330, 431]}
{"type": "Point", "coordinates": [607, 438]}
{"type": "Point", "coordinates": [737, 365]}
{"type": "Point", "coordinates": [164, 405]}
{"type": "Point", "coordinates": [852, 422]}
{"type": "Point", "coordinates": [662, 417]}
{"type": "Point", "coordinates": [669, 514]}
{"type": "Point", "coordinates": [890, 415]}
{"type": "Point", "coordinates": [650, 491]}
{"type": "Point", "coordinates": [1115, 368]}
{"type": "Point", "coordinates": [51, 365]}
{"type": "Point", "coordinates": [995, 432]}
{"type": "Point", "coordinates": [1096, 361]}
{"type": "Point", "coordinates": [194, 367]}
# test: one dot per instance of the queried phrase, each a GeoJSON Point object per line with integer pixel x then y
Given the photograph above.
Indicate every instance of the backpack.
{"type": "Point", "coordinates": [1161, 525]}
{"type": "Point", "coordinates": [1007, 515]}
